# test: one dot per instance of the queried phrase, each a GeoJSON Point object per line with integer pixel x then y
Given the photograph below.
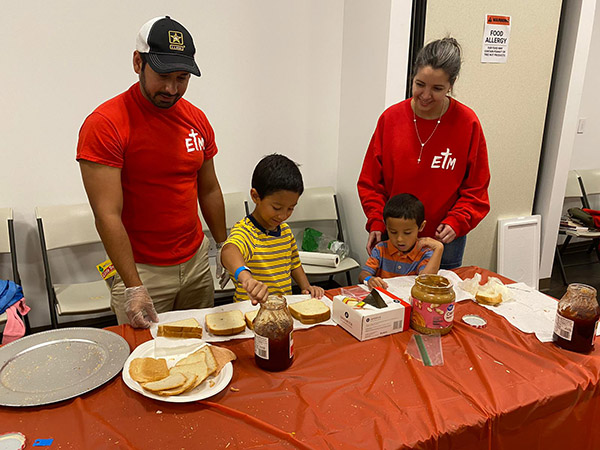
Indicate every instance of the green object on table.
{"type": "Point", "coordinates": [422, 350]}
{"type": "Point", "coordinates": [310, 239]}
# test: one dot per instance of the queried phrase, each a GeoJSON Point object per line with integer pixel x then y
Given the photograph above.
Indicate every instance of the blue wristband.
{"type": "Point", "coordinates": [368, 278]}
{"type": "Point", "coordinates": [240, 270]}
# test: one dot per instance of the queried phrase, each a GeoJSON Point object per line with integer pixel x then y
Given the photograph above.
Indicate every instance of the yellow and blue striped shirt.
{"type": "Point", "coordinates": [270, 255]}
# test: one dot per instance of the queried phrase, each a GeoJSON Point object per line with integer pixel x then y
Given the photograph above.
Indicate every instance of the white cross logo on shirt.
{"type": "Point", "coordinates": [192, 143]}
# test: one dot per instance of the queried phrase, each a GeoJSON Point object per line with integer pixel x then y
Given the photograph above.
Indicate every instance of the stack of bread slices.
{"type": "Point", "coordinates": [154, 375]}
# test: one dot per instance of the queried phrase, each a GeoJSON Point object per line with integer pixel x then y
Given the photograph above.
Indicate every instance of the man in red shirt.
{"type": "Point", "coordinates": [146, 162]}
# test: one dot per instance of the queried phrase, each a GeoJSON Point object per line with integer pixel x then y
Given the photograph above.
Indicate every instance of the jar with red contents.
{"type": "Point", "coordinates": [576, 319]}
{"type": "Point", "coordinates": [273, 340]}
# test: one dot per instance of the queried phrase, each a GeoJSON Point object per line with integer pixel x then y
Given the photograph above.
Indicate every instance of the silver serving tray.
{"type": "Point", "coordinates": [57, 365]}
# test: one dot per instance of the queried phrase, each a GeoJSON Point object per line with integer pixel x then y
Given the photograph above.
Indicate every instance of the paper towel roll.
{"type": "Point", "coordinates": [319, 259]}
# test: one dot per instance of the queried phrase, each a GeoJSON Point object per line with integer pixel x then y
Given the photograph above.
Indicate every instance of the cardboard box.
{"type": "Point", "coordinates": [370, 322]}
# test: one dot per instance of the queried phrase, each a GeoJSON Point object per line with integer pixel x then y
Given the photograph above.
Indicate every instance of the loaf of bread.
{"type": "Point", "coordinates": [310, 311]}
{"type": "Point", "coordinates": [225, 323]}
{"type": "Point", "coordinates": [187, 328]}
{"type": "Point", "coordinates": [188, 373]}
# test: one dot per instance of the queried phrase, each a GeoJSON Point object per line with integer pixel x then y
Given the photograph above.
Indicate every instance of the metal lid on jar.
{"type": "Point", "coordinates": [12, 441]}
{"type": "Point", "coordinates": [474, 320]}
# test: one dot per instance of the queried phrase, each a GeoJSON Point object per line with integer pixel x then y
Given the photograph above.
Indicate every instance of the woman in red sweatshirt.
{"type": "Point", "coordinates": [433, 147]}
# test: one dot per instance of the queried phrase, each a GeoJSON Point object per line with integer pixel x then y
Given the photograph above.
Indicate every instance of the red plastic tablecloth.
{"type": "Point", "coordinates": [499, 388]}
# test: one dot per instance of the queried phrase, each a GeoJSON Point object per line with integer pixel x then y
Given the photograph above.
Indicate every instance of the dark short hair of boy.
{"type": "Point", "coordinates": [404, 206]}
{"type": "Point", "coordinates": [277, 173]}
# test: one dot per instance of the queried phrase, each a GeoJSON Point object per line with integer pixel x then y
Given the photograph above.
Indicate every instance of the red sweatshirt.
{"type": "Point", "coordinates": [451, 180]}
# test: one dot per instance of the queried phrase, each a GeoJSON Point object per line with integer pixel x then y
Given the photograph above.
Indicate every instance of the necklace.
{"type": "Point", "coordinates": [432, 133]}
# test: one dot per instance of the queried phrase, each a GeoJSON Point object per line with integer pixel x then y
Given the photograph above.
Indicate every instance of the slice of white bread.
{"type": "Point", "coordinates": [190, 383]}
{"type": "Point", "coordinates": [310, 311]}
{"type": "Point", "coordinates": [488, 298]}
{"type": "Point", "coordinates": [198, 369]}
{"type": "Point", "coordinates": [225, 323]}
{"type": "Point", "coordinates": [249, 316]}
{"type": "Point", "coordinates": [204, 355]}
{"type": "Point", "coordinates": [186, 328]}
{"type": "Point", "coordinates": [144, 370]}
{"type": "Point", "coordinates": [170, 382]}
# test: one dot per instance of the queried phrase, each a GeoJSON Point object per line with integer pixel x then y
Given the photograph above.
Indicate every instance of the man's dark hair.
{"type": "Point", "coordinates": [144, 57]}
{"type": "Point", "coordinates": [404, 206]}
{"type": "Point", "coordinates": [276, 173]}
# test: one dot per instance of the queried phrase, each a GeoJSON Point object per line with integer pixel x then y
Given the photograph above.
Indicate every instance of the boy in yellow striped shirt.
{"type": "Point", "coordinates": [261, 252]}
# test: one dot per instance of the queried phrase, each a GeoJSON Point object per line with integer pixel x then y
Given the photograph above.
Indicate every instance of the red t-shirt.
{"type": "Point", "coordinates": [451, 180]}
{"type": "Point", "coordinates": [159, 152]}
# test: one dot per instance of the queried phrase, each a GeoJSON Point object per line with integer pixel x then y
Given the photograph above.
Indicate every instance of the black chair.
{"type": "Point", "coordinates": [580, 183]}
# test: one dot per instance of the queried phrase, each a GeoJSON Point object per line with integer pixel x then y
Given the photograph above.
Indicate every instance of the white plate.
{"type": "Point", "coordinates": [146, 350]}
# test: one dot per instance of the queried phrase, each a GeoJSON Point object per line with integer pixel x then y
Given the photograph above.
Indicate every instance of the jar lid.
{"type": "Point", "coordinates": [474, 320]}
{"type": "Point", "coordinates": [12, 441]}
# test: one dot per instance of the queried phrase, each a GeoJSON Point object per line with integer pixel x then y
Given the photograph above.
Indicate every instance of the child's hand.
{"type": "Point", "coordinates": [377, 282]}
{"type": "Point", "coordinates": [257, 290]}
{"type": "Point", "coordinates": [433, 244]}
{"type": "Point", "coordinates": [314, 291]}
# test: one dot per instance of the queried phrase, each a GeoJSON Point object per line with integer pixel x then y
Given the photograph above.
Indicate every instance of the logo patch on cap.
{"type": "Point", "coordinates": [176, 40]}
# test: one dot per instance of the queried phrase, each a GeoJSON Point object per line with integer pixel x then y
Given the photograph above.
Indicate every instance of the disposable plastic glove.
{"type": "Point", "coordinates": [222, 273]}
{"type": "Point", "coordinates": [139, 307]}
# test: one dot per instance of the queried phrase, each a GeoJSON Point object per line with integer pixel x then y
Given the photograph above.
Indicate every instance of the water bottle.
{"type": "Point", "coordinates": [315, 241]}
{"type": "Point", "coordinates": [329, 245]}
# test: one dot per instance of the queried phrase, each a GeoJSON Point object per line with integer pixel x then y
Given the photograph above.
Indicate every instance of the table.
{"type": "Point", "coordinates": [498, 389]}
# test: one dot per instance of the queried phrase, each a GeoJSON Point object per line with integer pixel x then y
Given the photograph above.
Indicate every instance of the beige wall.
{"type": "Point", "coordinates": [510, 100]}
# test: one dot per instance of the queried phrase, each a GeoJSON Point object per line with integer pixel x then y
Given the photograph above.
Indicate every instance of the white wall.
{"type": "Point", "coordinates": [586, 149]}
{"type": "Point", "coordinates": [561, 124]}
{"type": "Point", "coordinates": [271, 80]}
{"type": "Point", "coordinates": [375, 49]}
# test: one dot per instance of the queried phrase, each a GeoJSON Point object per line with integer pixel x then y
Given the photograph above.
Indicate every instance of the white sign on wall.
{"type": "Point", "coordinates": [495, 39]}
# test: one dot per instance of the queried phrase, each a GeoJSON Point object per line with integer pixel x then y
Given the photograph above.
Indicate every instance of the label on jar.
{"type": "Point", "coordinates": [563, 327]}
{"type": "Point", "coordinates": [433, 316]}
{"type": "Point", "coordinates": [261, 346]}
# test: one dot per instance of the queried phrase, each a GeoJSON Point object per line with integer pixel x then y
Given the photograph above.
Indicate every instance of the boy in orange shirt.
{"type": "Point", "coordinates": [404, 253]}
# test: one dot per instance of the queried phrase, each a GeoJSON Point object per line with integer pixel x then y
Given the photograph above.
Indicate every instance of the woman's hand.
{"type": "Point", "coordinates": [445, 233]}
{"type": "Point", "coordinates": [374, 239]}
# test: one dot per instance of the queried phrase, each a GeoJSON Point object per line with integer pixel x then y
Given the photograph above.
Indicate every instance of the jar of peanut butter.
{"type": "Point", "coordinates": [433, 304]}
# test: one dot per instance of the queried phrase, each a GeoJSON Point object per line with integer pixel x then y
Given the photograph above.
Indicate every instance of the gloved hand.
{"type": "Point", "coordinates": [139, 307]}
{"type": "Point", "coordinates": [222, 273]}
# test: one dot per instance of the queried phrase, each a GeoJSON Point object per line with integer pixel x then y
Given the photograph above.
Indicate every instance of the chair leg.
{"type": "Point", "coordinates": [565, 244]}
{"type": "Point", "coordinates": [348, 278]}
{"type": "Point", "coordinates": [561, 266]}
{"type": "Point", "coordinates": [596, 245]}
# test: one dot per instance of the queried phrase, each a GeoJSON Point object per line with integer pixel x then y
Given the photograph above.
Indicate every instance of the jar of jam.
{"type": "Point", "coordinates": [273, 341]}
{"type": "Point", "coordinates": [432, 298]}
{"type": "Point", "coordinates": [576, 319]}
